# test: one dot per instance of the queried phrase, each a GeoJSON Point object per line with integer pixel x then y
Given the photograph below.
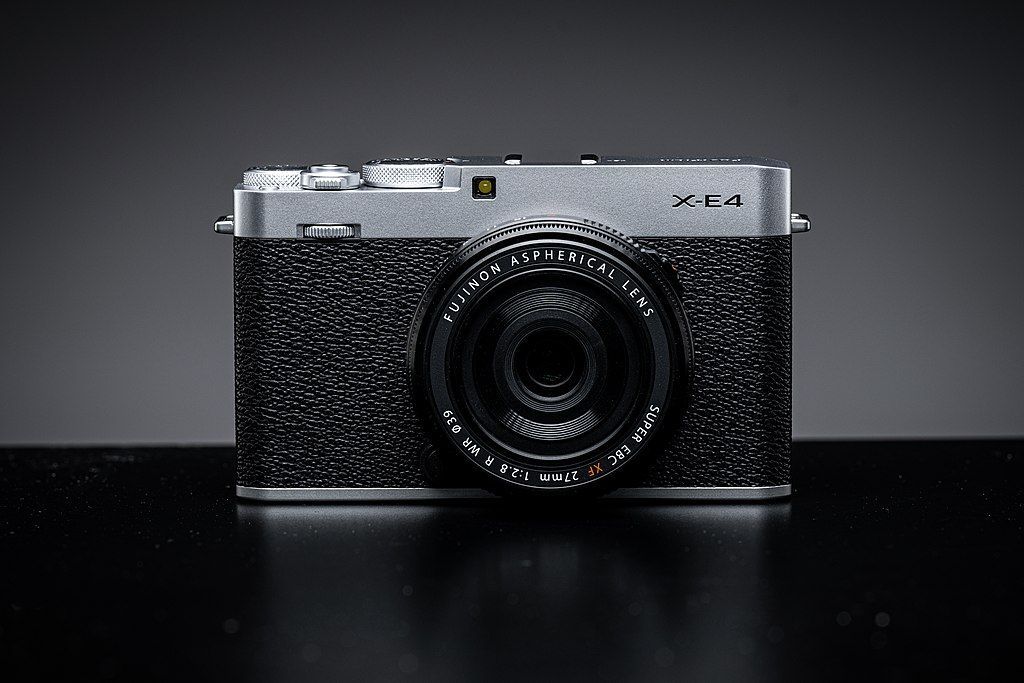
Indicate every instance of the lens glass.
{"type": "Point", "coordinates": [549, 363]}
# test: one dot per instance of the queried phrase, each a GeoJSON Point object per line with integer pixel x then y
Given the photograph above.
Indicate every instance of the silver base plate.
{"type": "Point", "coordinates": [355, 495]}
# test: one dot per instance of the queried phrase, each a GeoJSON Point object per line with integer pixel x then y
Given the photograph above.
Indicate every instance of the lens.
{"type": "Point", "coordinates": [547, 362]}
{"type": "Point", "coordinates": [550, 353]}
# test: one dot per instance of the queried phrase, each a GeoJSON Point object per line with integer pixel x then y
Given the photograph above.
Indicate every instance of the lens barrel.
{"type": "Point", "coordinates": [551, 354]}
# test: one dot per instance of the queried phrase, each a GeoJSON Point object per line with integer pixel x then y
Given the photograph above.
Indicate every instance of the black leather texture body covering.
{"type": "Point", "coordinates": [322, 387]}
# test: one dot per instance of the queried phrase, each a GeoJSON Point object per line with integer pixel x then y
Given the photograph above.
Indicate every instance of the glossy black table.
{"type": "Point", "coordinates": [897, 560]}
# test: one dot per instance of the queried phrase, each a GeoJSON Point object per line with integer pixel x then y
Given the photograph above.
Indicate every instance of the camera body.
{"type": "Point", "coordinates": [462, 327]}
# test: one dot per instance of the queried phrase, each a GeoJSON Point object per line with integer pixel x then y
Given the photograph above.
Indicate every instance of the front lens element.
{"type": "Point", "coordinates": [549, 361]}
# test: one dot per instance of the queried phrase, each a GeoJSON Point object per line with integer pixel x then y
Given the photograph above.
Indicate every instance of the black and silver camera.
{"type": "Point", "coordinates": [434, 328]}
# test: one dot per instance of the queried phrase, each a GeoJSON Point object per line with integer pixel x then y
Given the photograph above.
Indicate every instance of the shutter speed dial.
{"type": "Point", "coordinates": [404, 173]}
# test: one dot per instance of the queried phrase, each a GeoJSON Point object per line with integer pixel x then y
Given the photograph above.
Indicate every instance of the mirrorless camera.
{"type": "Point", "coordinates": [428, 328]}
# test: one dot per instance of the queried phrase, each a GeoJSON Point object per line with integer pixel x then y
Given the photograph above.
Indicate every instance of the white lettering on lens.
{"type": "Point", "coordinates": [559, 476]}
{"type": "Point", "coordinates": [646, 424]}
{"type": "Point", "coordinates": [455, 305]}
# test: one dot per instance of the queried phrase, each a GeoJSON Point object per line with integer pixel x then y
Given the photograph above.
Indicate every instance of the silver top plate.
{"type": "Point", "coordinates": [658, 197]}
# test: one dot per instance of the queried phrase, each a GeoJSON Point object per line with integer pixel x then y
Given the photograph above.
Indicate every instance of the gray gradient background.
{"type": "Point", "coordinates": [125, 131]}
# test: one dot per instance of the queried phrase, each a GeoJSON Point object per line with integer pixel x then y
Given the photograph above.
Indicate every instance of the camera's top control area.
{"type": "Point", "coordinates": [460, 196]}
{"type": "Point", "coordinates": [421, 173]}
{"type": "Point", "coordinates": [404, 174]}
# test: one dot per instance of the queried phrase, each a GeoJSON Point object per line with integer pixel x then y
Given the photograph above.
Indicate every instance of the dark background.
{"type": "Point", "coordinates": [126, 127]}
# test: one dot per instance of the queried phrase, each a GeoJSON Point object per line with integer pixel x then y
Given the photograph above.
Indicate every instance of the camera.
{"type": "Point", "coordinates": [471, 326]}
